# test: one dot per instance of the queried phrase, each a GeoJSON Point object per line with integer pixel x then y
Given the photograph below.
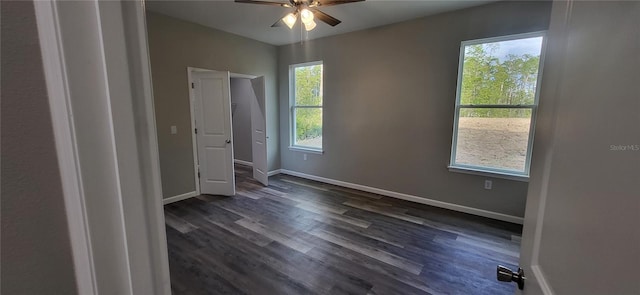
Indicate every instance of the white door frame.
{"type": "Point", "coordinates": [190, 71]}
{"type": "Point", "coordinates": [116, 224]}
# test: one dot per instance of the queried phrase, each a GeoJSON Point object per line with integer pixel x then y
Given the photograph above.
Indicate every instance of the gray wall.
{"type": "Point", "coordinates": [241, 96]}
{"type": "Point", "coordinates": [175, 45]}
{"type": "Point", "coordinates": [36, 251]}
{"type": "Point", "coordinates": [389, 103]}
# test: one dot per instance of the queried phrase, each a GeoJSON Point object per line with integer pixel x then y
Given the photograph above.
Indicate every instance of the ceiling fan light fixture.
{"type": "Point", "coordinates": [289, 20]}
{"type": "Point", "coordinates": [307, 9]}
{"type": "Point", "coordinates": [306, 16]}
{"type": "Point", "coordinates": [309, 25]}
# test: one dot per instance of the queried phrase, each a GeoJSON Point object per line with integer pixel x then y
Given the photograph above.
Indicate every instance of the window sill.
{"type": "Point", "coordinates": [489, 173]}
{"type": "Point", "coordinates": [305, 150]}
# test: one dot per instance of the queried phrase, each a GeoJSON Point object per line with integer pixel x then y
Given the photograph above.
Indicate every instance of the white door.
{"type": "Point", "coordinates": [259, 131]}
{"type": "Point", "coordinates": [581, 223]}
{"type": "Point", "coordinates": [214, 136]}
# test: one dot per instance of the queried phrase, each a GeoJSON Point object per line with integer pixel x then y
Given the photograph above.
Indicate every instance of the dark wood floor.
{"type": "Point", "coordinates": [303, 237]}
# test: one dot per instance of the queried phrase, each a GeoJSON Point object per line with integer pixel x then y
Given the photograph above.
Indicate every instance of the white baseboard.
{"type": "Point", "coordinates": [179, 198]}
{"type": "Point", "coordinates": [244, 163]}
{"type": "Point", "coordinates": [416, 199]}
{"type": "Point", "coordinates": [274, 172]}
{"type": "Point", "coordinates": [542, 281]}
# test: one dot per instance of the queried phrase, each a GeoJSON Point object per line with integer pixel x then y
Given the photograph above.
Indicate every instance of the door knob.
{"type": "Point", "coordinates": [506, 275]}
{"type": "Point", "coordinates": [228, 141]}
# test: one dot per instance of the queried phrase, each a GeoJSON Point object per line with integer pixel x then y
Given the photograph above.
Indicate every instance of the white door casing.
{"type": "Point", "coordinates": [259, 131]}
{"type": "Point", "coordinates": [104, 128]}
{"type": "Point", "coordinates": [214, 136]}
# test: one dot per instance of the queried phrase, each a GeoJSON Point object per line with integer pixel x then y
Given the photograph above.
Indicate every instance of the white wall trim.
{"type": "Point", "coordinates": [244, 163]}
{"type": "Point", "coordinates": [179, 197]}
{"type": "Point", "coordinates": [274, 172]}
{"type": "Point", "coordinates": [114, 95]}
{"type": "Point", "coordinates": [542, 280]}
{"type": "Point", "coordinates": [136, 34]}
{"type": "Point", "coordinates": [407, 197]}
{"type": "Point", "coordinates": [66, 150]}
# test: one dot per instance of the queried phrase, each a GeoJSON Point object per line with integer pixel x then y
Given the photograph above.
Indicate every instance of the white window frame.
{"type": "Point", "coordinates": [292, 107]}
{"type": "Point", "coordinates": [489, 171]}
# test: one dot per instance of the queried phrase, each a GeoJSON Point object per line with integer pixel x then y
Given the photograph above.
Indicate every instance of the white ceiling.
{"type": "Point", "coordinates": [254, 21]}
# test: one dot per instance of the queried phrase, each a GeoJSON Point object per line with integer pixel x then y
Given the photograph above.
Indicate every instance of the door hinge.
{"type": "Point", "coordinates": [196, 130]}
{"type": "Point", "coordinates": [198, 173]}
{"type": "Point", "coordinates": [193, 85]}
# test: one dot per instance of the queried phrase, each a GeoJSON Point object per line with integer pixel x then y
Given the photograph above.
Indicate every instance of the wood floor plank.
{"type": "Point", "coordinates": [504, 248]}
{"type": "Point", "coordinates": [312, 195]}
{"type": "Point", "coordinates": [322, 213]}
{"type": "Point", "coordinates": [251, 186]}
{"type": "Point", "coordinates": [188, 274]}
{"type": "Point", "coordinates": [377, 254]}
{"type": "Point", "coordinates": [233, 269]}
{"type": "Point", "coordinates": [178, 223]}
{"type": "Point", "coordinates": [302, 183]}
{"type": "Point", "coordinates": [322, 207]}
{"type": "Point", "coordinates": [356, 192]}
{"type": "Point", "coordinates": [242, 232]}
{"type": "Point", "coordinates": [309, 203]}
{"type": "Point", "coordinates": [248, 194]}
{"type": "Point", "coordinates": [323, 276]}
{"type": "Point", "coordinates": [365, 233]}
{"type": "Point", "coordinates": [188, 278]}
{"type": "Point", "coordinates": [485, 240]}
{"type": "Point", "coordinates": [230, 256]}
{"type": "Point", "coordinates": [384, 211]}
{"type": "Point", "coordinates": [410, 233]}
{"type": "Point", "coordinates": [322, 216]}
{"type": "Point", "coordinates": [379, 273]}
{"type": "Point", "coordinates": [275, 263]}
{"type": "Point", "coordinates": [274, 235]}
{"type": "Point", "coordinates": [204, 220]}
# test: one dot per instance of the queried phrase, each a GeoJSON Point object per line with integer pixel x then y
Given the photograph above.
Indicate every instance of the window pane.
{"type": "Point", "coordinates": [493, 138]}
{"type": "Point", "coordinates": [308, 85]}
{"type": "Point", "coordinates": [308, 127]}
{"type": "Point", "coordinates": [504, 72]}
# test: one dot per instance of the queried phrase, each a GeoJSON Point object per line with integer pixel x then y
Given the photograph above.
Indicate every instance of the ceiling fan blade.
{"type": "Point", "coordinates": [264, 3]}
{"type": "Point", "coordinates": [278, 23]}
{"type": "Point", "coordinates": [335, 2]}
{"type": "Point", "coordinates": [330, 20]}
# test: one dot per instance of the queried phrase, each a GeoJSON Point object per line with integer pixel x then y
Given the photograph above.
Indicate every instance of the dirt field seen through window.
{"type": "Point", "coordinates": [493, 142]}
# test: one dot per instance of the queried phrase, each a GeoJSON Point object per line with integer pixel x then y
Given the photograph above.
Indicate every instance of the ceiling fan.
{"type": "Point", "coordinates": [306, 9]}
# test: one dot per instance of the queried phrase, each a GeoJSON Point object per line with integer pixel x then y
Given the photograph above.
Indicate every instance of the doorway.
{"type": "Point", "coordinates": [248, 120]}
{"type": "Point", "coordinates": [212, 120]}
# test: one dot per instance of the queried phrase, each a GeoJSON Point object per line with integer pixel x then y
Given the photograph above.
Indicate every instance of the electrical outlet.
{"type": "Point", "coordinates": [304, 157]}
{"type": "Point", "coordinates": [488, 184]}
{"type": "Point", "coordinates": [174, 129]}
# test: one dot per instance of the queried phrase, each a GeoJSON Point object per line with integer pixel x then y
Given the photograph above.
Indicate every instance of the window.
{"type": "Point", "coordinates": [305, 81]}
{"type": "Point", "coordinates": [496, 104]}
